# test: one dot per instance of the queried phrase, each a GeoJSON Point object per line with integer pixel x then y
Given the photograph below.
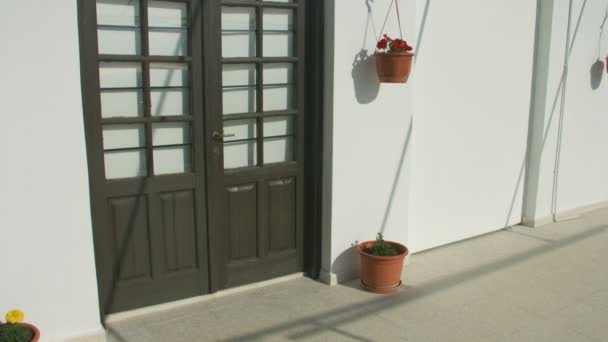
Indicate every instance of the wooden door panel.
{"type": "Point", "coordinates": [156, 249]}
{"type": "Point", "coordinates": [262, 231]}
{"type": "Point", "coordinates": [281, 214]}
{"type": "Point", "coordinates": [242, 221]}
{"type": "Point", "coordinates": [131, 240]}
{"type": "Point", "coordinates": [179, 227]}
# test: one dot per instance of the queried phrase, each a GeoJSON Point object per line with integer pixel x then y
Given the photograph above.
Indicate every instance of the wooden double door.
{"type": "Point", "coordinates": [194, 120]}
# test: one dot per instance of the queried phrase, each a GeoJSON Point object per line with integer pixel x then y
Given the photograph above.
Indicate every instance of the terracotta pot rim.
{"type": "Point", "coordinates": [363, 245]}
{"type": "Point", "coordinates": [405, 53]}
{"type": "Point", "coordinates": [30, 326]}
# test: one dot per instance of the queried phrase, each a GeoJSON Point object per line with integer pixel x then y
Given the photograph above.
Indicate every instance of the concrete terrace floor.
{"type": "Point", "coordinates": [518, 284]}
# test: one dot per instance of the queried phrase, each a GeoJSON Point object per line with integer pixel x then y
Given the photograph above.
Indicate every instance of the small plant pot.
{"type": "Point", "coordinates": [394, 67]}
{"type": "Point", "coordinates": [381, 274]}
{"type": "Point", "coordinates": [31, 327]}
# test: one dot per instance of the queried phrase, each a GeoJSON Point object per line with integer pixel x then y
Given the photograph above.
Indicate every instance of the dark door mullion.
{"type": "Point", "coordinates": [260, 81]}
{"type": "Point", "coordinates": [240, 3]}
{"type": "Point", "coordinates": [243, 60]}
{"type": "Point", "coordinates": [300, 124]}
{"type": "Point", "coordinates": [141, 58]}
{"type": "Point", "coordinates": [146, 83]}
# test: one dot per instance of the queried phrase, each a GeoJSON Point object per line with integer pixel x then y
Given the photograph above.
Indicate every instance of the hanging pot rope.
{"type": "Point", "coordinates": [393, 67]}
{"type": "Point", "coordinates": [599, 41]}
{"type": "Point", "coordinates": [396, 2]}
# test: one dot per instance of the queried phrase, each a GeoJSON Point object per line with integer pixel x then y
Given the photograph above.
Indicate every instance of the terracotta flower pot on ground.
{"type": "Point", "coordinates": [394, 67]}
{"type": "Point", "coordinates": [31, 327]}
{"type": "Point", "coordinates": [381, 274]}
{"type": "Point", "coordinates": [34, 329]}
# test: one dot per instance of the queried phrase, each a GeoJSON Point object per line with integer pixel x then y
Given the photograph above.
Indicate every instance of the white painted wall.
{"type": "Point", "coordinates": [46, 246]}
{"type": "Point", "coordinates": [582, 160]}
{"type": "Point", "coordinates": [471, 106]}
{"type": "Point", "coordinates": [463, 118]}
{"type": "Point", "coordinates": [583, 166]}
{"type": "Point", "coordinates": [369, 142]}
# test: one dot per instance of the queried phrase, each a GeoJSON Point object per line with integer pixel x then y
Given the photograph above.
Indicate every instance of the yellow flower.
{"type": "Point", "coordinates": [14, 316]}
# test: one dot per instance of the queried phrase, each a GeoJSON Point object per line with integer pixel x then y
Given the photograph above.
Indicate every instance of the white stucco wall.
{"type": "Point", "coordinates": [471, 108]}
{"type": "Point", "coordinates": [583, 164]}
{"type": "Point", "coordinates": [369, 140]}
{"type": "Point", "coordinates": [582, 161]}
{"type": "Point", "coordinates": [463, 119]}
{"type": "Point", "coordinates": [46, 243]}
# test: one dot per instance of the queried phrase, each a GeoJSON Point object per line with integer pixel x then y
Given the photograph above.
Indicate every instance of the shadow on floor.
{"type": "Point", "coordinates": [330, 320]}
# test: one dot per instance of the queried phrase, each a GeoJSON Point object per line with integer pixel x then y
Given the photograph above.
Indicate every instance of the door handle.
{"type": "Point", "coordinates": [219, 137]}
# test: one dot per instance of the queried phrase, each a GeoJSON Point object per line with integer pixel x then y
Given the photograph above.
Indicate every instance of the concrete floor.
{"type": "Point", "coordinates": [518, 284]}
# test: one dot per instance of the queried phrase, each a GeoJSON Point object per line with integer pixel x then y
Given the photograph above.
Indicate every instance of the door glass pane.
{"type": "Point", "coordinates": [124, 151]}
{"type": "Point", "coordinates": [121, 93]}
{"type": "Point", "coordinates": [238, 32]}
{"type": "Point", "coordinates": [123, 136]}
{"type": "Point", "coordinates": [118, 29]}
{"type": "Point", "coordinates": [169, 75]}
{"type": "Point", "coordinates": [173, 133]}
{"type": "Point", "coordinates": [278, 126]}
{"type": "Point", "coordinates": [167, 24]}
{"type": "Point", "coordinates": [172, 149]}
{"type": "Point", "coordinates": [169, 92]}
{"type": "Point", "coordinates": [279, 149]}
{"type": "Point", "coordinates": [170, 102]}
{"type": "Point", "coordinates": [279, 87]}
{"type": "Point", "coordinates": [119, 75]}
{"type": "Point", "coordinates": [124, 164]}
{"type": "Point", "coordinates": [240, 154]}
{"type": "Point", "coordinates": [239, 92]}
{"type": "Point", "coordinates": [278, 32]}
{"type": "Point", "coordinates": [172, 159]}
{"type": "Point", "coordinates": [121, 103]}
{"type": "Point", "coordinates": [241, 129]}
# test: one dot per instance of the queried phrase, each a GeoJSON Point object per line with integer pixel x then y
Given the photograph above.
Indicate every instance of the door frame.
{"type": "Point", "coordinates": [313, 150]}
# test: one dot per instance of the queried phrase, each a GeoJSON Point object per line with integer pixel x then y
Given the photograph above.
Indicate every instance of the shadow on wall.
{"type": "Point", "coordinates": [596, 71]}
{"type": "Point", "coordinates": [365, 80]}
{"type": "Point", "coordinates": [347, 263]}
{"type": "Point", "coordinates": [367, 86]}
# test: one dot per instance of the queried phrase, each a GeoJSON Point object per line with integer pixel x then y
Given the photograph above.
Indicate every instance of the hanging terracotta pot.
{"type": "Point", "coordinates": [381, 274]}
{"type": "Point", "coordinates": [394, 67]}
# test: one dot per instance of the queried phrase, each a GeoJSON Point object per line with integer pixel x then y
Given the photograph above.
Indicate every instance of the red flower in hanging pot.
{"type": "Point", "coordinates": [382, 44]}
{"type": "Point", "coordinates": [393, 60]}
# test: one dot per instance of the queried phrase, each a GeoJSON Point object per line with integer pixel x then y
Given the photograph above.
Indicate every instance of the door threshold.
{"type": "Point", "coordinates": [126, 315]}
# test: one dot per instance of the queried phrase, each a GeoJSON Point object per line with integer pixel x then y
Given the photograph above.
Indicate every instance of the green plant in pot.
{"type": "Point", "coordinates": [14, 330]}
{"type": "Point", "coordinates": [381, 264]}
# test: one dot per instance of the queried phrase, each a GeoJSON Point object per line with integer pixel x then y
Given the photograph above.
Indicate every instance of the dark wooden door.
{"type": "Point", "coordinates": [255, 135]}
{"type": "Point", "coordinates": [194, 114]}
{"type": "Point", "coordinates": [142, 90]}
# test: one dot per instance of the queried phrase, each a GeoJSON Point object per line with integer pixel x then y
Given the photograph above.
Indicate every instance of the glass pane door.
{"type": "Point", "coordinates": [259, 83]}
{"type": "Point", "coordinates": [145, 90]}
